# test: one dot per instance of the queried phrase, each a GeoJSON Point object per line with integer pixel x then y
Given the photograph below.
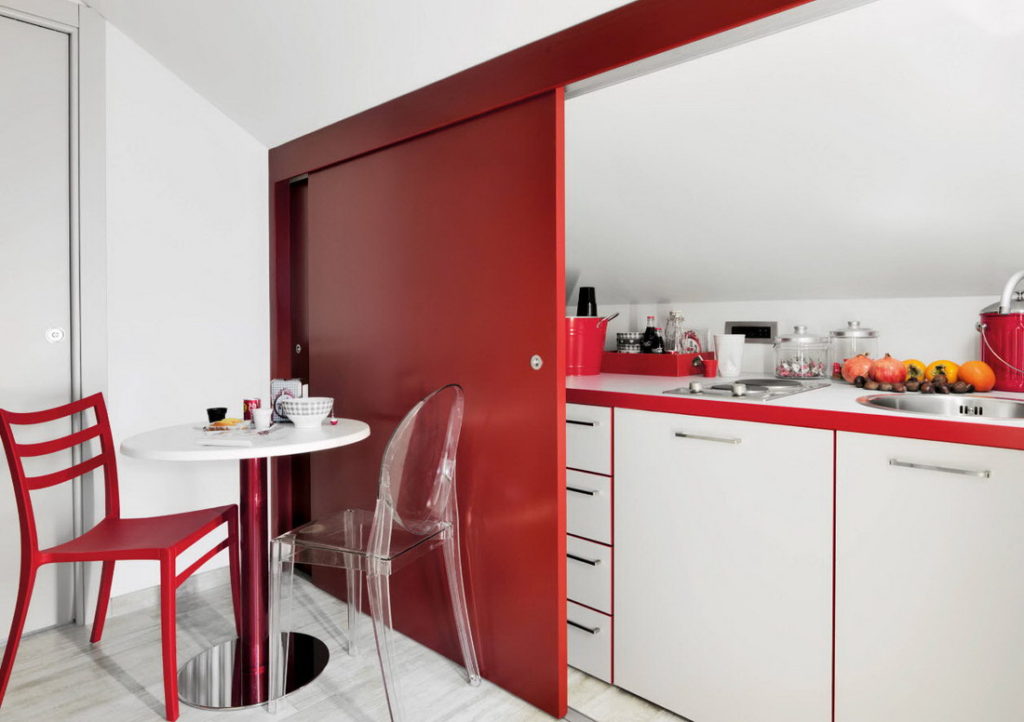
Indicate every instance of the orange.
{"type": "Point", "coordinates": [979, 374]}
{"type": "Point", "coordinates": [942, 367]}
{"type": "Point", "coordinates": [915, 369]}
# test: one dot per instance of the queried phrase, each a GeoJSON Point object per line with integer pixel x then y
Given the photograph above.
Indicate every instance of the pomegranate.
{"type": "Point", "coordinates": [855, 366]}
{"type": "Point", "coordinates": [888, 370]}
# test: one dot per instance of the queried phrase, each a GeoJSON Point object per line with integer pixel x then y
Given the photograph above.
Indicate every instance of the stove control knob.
{"type": "Point", "coordinates": [696, 387]}
{"type": "Point", "coordinates": [739, 389]}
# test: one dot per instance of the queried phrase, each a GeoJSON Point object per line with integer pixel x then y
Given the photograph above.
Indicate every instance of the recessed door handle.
{"type": "Point", "coordinates": [584, 560]}
{"type": "Point", "coordinates": [578, 490]}
{"type": "Point", "coordinates": [700, 437]}
{"type": "Point", "coordinates": [585, 628]}
{"type": "Point", "coordinates": [980, 473]}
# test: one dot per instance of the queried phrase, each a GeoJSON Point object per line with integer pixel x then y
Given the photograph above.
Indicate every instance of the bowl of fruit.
{"type": "Point", "coordinates": [938, 377]}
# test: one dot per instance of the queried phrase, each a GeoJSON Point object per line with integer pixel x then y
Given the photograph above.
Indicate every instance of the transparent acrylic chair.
{"type": "Point", "coordinates": [416, 512]}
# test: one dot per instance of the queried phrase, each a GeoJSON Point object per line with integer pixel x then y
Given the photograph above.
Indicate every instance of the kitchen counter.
{"type": "Point", "coordinates": [834, 407]}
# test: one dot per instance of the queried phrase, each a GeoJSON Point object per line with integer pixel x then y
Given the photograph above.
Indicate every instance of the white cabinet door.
{"type": "Point", "coordinates": [723, 567]}
{"type": "Point", "coordinates": [588, 573]}
{"type": "Point", "coordinates": [588, 438]}
{"type": "Point", "coordinates": [588, 506]}
{"type": "Point", "coordinates": [589, 637]}
{"type": "Point", "coordinates": [929, 581]}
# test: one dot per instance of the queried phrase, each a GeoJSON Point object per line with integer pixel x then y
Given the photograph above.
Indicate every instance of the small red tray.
{"type": "Point", "coordinates": [653, 364]}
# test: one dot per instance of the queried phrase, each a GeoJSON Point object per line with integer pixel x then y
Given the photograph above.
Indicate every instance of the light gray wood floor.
{"type": "Point", "coordinates": [59, 675]}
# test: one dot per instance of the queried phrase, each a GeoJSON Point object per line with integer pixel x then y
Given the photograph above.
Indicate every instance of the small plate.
{"type": "Point", "coordinates": [239, 425]}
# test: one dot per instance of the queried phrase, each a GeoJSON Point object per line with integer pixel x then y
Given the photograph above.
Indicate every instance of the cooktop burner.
{"type": "Point", "coordinates": [770, 384]}
{"type": "Point", "coordinates": [750, 389]}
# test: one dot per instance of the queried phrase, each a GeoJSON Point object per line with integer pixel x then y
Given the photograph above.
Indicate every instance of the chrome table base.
{"type": "Point", "coordinates": [214, 679]}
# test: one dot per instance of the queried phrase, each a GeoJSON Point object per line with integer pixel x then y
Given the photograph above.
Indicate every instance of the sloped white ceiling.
{"type": "Point", "coordinates": [875, 153]}
{"type": "Point", "coordinates": [282, 68]}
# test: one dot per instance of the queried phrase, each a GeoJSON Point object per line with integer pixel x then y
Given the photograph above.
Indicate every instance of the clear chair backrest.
{"type": "Point", "coordinates": [417, 475]}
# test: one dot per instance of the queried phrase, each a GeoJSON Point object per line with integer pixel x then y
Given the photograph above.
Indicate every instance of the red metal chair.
{"type": "Point", "coordinates": [160, 538]}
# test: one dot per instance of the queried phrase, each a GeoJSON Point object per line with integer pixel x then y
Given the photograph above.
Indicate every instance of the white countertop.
{"type": "Point", "coordinates": [837, 397]}
{"type": "Point", "coordinates": [183, 442]}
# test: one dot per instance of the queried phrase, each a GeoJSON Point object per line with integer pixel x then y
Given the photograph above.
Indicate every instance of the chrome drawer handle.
{"type": "Point", "coordinates": [578, 490]}
{"type": "Point", "coordinates": [980, 473]}
{"type": "Point", "coordinates": [582, 423]}
{"type": "Point", "coordinates": [588, 630]}
{"type": "Point", "coordinates": [591, 562]}
{"type": "Point", "coordinates": [719, 439]}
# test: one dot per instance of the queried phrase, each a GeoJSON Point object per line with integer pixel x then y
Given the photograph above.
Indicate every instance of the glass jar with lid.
{"type": "Point", "coordinates": [849, 342]}
{"type": "Point", "coordinates": [801, 355]}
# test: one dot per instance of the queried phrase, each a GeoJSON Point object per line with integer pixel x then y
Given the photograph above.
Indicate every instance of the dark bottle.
{"type": "Point", "coordinates": [587, 303]}
{"type": "Point", "coordinates": [650, 341]}
{"type": "Point", "coordinates": [659, 347]}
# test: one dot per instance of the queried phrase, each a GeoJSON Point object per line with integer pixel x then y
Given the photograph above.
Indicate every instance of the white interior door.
{"type": "Point", "coordinates": [35, 290]}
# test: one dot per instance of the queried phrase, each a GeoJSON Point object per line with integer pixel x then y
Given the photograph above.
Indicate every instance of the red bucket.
{"type": "Point", "coordinates": [584, 344]}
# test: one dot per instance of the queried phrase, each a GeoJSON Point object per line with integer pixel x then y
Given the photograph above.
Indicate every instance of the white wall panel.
{"type": "Point", "coordinates": [871, 154]}
{"type": "Point", "coordinates": [188, 299]}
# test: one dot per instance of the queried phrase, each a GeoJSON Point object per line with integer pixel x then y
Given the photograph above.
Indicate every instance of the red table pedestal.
{"type": "Point", "coordinates": [235, 673]}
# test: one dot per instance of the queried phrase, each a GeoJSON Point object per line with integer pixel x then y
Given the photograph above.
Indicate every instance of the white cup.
{"type": "Point", "coordinates": [729, 352]}
{"type": "Point", "coordinates": [261, 418]}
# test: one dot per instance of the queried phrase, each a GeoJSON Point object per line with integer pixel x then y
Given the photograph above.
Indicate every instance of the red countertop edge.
{"type": "Point", "coordinates": [1003, 437]}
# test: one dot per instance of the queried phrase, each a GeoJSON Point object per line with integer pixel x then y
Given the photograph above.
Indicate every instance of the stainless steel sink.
{"type": "Point", "coordinates": [948, 405]}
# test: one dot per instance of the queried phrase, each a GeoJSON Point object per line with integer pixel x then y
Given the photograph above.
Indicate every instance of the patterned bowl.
{"type": "Point", "coordinates": [307, 413]}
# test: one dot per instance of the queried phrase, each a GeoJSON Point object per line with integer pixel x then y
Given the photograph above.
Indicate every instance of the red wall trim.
{"type": "Point", "coordinates": [835, 509]}
{"type": "Point", "coordinates": [280, 281]}
{"type": "Point", "coordinates": [622, 36]}
{"type": "Point", "coordinates": [1004, 437]}
{"type": "Point", "coordinates": [561, 582]}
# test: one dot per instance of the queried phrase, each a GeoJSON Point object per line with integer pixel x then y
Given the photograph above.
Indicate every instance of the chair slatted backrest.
{"type": "Point", "coordinates": [18, 452]}
{"type": "Point", "coordinates": [417, 475]}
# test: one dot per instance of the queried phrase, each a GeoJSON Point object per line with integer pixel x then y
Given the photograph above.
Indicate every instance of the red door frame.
{"type": "Point", "coordinates": [622, 36]}
{"type": "Point", "coordinates": [619, 37]}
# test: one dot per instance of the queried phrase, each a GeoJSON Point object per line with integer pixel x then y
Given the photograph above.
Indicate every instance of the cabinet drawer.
{"type": "Point", "coordinates": [588, 438]}
{"type": "Point", "coordinates": [589, 572]}
{"type": "Point", "coordinates": [588, 501]}
{"type": "Point", "coordinates": [590, 641]}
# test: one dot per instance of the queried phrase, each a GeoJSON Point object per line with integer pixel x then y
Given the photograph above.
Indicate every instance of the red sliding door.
{"type": "Point", "coordinates": [440, 260]}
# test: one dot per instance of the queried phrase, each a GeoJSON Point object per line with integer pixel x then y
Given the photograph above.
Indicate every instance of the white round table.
{"type": "Point", "coordinates": [235, 674]}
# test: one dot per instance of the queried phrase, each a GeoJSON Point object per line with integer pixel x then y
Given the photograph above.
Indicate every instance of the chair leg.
{"type": "Point", "coordinates": [379, 592]}
{"type": "Point", "coordinates": [457, 590]}
{"type": "Point", "coordinates": [103, 601]}
{"type": "Point", "coordinates": [168, 636]}
{"type": "Point", "coordinates": [282, 572]}
{"type": "Point", "coordinates": [27, 582]}
{"type": "Point", "coordinates": [354, 581]}
{"type": "Point", "coordinates": [234, 560]}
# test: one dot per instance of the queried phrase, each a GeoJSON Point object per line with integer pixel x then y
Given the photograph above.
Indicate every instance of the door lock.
{"type": "Point", "coordinates": [55, 334]}
{"type": "Point", "coordinates": [298, 348]}
{"type": "Point", "coordinates": [536, 362]}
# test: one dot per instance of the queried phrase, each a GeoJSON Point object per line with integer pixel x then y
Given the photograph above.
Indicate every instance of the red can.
{"type": "Point", "coordinates": [584, 345]}
{"type": "Point", "coordinates": [247, 406]}
{"type": "Point", "coordinates": [1002, 336]}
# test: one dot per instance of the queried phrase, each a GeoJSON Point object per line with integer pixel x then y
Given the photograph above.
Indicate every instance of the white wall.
{"type": "Point", "coordinates": [283, 69]}
{"type": "Point", "coordinates": [927, 329]}
{"type": "Point", "coordinates": [187, 294]}
{"type": "Point", "coordinates": [876, 153]}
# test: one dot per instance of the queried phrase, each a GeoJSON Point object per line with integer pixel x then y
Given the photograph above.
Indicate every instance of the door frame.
{"type": "Point", "coordinates": [86, 31]}
{"type": "Point", "coordinates": [645, 30]}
